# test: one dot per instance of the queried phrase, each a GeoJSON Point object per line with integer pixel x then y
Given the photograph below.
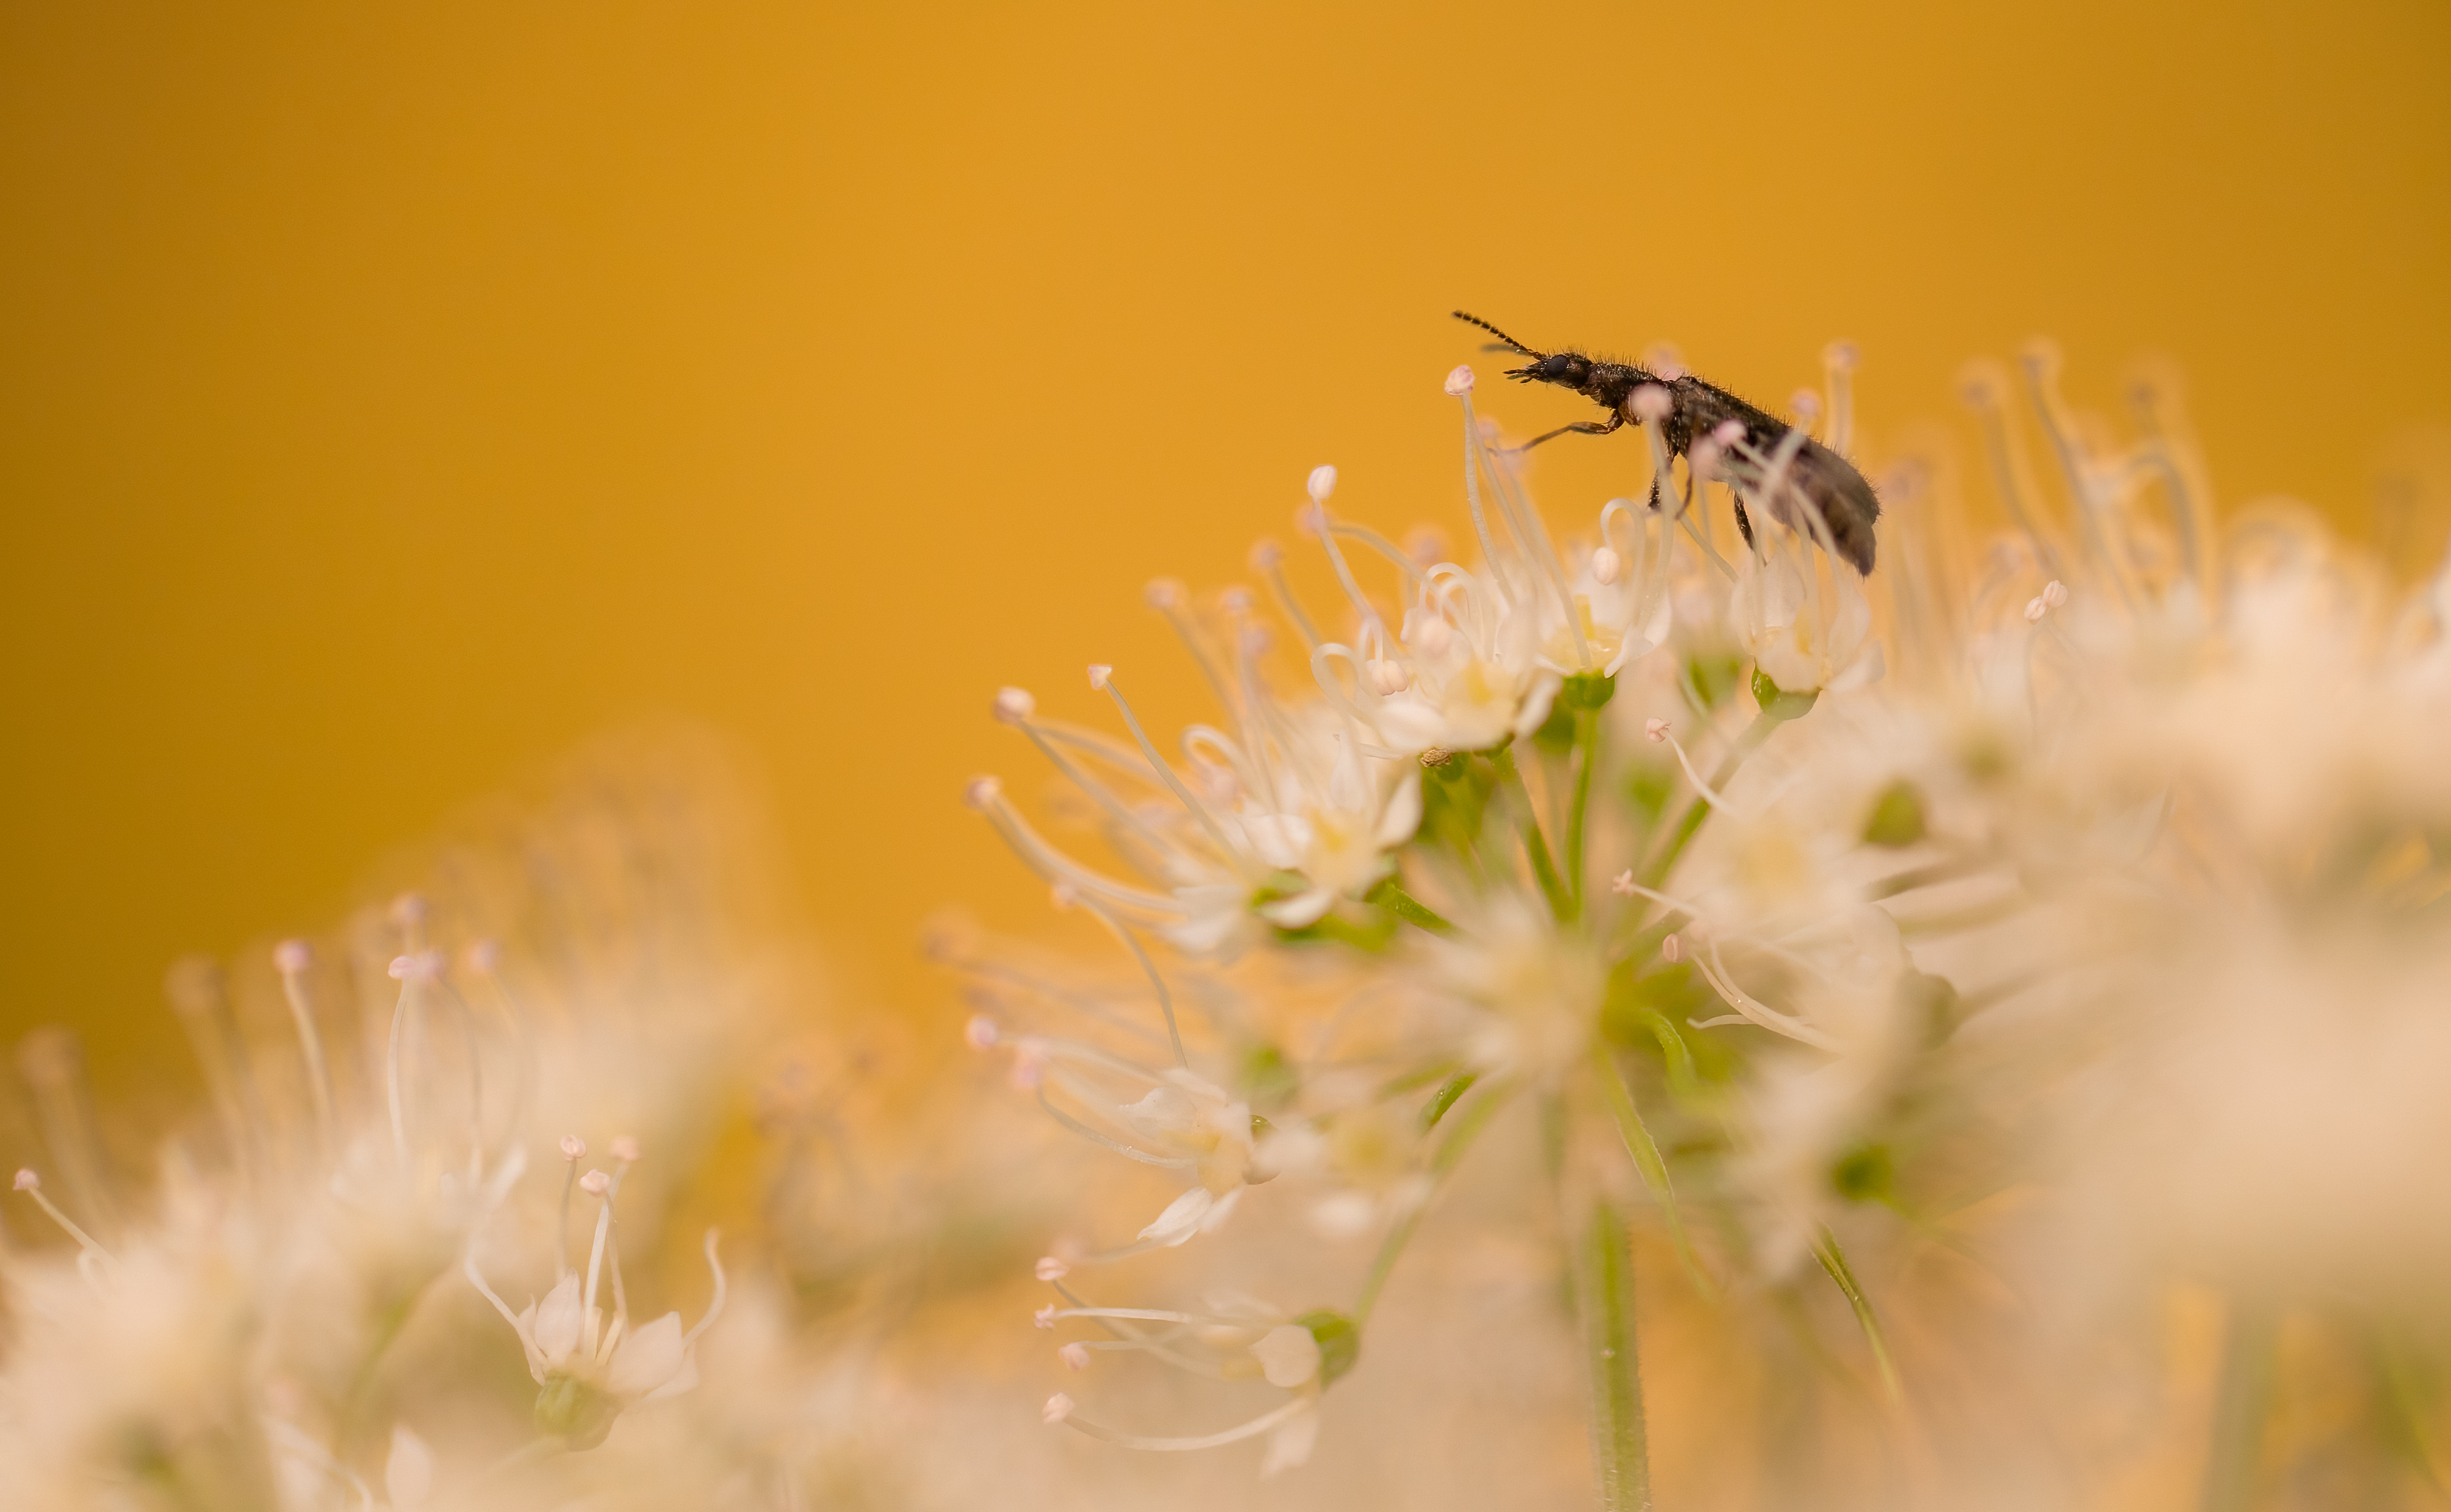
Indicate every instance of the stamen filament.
{"type": "Point", "coordinates": [613, 1247]}
{"type": "Point", "coordinates": [1326, 528]}
{"type": "Point", "coordinates": [84, 1242]}
{"type": "Point", "coordinates": [1157, 982]}
{"type": "Point", "coordinates": [1715, 972]}
{"type": "Point", "coordinates": [1472, 462]}
{"type": "Point", "coordinates": [1105, 796]}
{"type": "Point", "coordinates": [1272, 568]}
{"type": "Point", "coordinates": [1144, 1157]}
{"type": "Point", "coordinates": [292, 965]}
{"type": "Point", "coordinates": [1166, 773]}
{"type": "Point", "coordinates": [713, 1303]}
{"type": "Point", "coordinates": [1235, 1435]}
{"type": "Point", "coordinates": [561, 1230]}
{"type": "Point", "coordinates": [1381, 544]}
{"type": "Point", "coordinates": [392, 1091]}
{"type": "Point", "coordinates": [594, 1269]}
{"type": "Point", "coordinates": [1055, 865]}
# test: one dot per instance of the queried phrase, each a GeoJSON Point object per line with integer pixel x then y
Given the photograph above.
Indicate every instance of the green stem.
{"type": "Point", "coordinates": [2240, 1403]}
{"type": "Point", "coordinates": [1519, 802]}
{"type": "Point", "coordinates": [358, 1397]}
{"type": "Point", "coordinates": [1605, 1301]}
{"type": "Point", "coordinates": [1691, 820]}
{"type": "Point", "coordinates": [1648, 1159]}
{"type": "Point", "coordinates": [1391, 895]}
{"type": "Point", "coordinates": [1460, 1137]}
{"type": "Point", "coordinates": [1587, 752]}
{"type": "Point", "coordinates": [2411, 1417]}
{"type": "Point", "coordinates": [1833, 1260]}
{"type": "Point", "coordinates": [1452, 1088]}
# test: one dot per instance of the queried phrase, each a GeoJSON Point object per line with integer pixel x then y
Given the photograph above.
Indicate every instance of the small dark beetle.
{"type": "Point", "coordinates": [1696, 409]}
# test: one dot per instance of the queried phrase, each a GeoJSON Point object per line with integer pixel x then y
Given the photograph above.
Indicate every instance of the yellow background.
{"type": "Point", "coordinates": [391, 395]}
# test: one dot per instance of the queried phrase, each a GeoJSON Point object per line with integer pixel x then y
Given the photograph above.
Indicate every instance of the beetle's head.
{"type": "Point", "coordinates": [1566, 369]}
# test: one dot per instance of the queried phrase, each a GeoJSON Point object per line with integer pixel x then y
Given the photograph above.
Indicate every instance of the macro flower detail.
{"type": "Point", "coordinates": [1791, 914]}
{"type": "Point", "coordinates": [1233, 1338]}
{"type": "Point", "coordinates": [590, 1364]}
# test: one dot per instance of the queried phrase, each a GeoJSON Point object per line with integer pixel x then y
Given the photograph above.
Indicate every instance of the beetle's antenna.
{"type": "Point", "coordinates": [1493, 331]}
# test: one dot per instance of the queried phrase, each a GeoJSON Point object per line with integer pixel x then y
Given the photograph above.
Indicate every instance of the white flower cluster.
{"type": "Point", "coordinates": [295, 1316]}
{"type": "Point", "coordinates": [2084, 888]}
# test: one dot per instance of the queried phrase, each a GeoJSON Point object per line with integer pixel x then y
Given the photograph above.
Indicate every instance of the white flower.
{"type": "Point", "coordinates": [1234, 1337]}
{"type": "Point", "coordinates": [591, 1370]}
{"type": "Point", "coordinates": [408, 1472]}
{"type": "Point", "coordinates": [1806, 632]}
{"type": "Point", "coordinates": [1339, 845]}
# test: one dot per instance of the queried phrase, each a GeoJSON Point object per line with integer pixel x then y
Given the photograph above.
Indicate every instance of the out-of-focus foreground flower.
{"type": "Point", "coordinates": [1996, 1006]}
{"type": "Point", "coordinates": [448, 1235]}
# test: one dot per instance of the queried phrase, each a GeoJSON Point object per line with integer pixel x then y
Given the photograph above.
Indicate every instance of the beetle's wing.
{"type": "Point", "coordinates": [1846, 504]}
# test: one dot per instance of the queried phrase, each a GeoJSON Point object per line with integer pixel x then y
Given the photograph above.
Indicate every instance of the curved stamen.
{"type": "Point", "coordinates": [1315, 519]}
{"type": "Point", "coordinates": [1055, 866]}
{"type": "Point", "coordinates": [31, 1184]}
{"type": "Point", "coordinates": [1268, 560]}
{"type": "Point", "coordinates": [1381, 544]}
{"type": "Point", "coordinates": [1099, 792]}
{"type": "Point", "coordinates": [714, 1302]}
{"type": "Point", "coordinates": [291, 958]}
{"type": "Point", "coordinates": [1459, 384]}
{"type": "Point", "coordinates": [1103, 678]}
{"type": "Point", "coordinates": [1662, 477]}
{"type": "Point", "coordinates": [1133, 1440]}
{"type": "Point", "coordinates": [1532, 535]}
{"type": "Point", "coordinates": [1755, 1011]}
{"type": "Point", "coordinates": [1167, 598]}
{"type": "Point", "coordinates": [1148, 967]}
{"type": "Point", "coordinates": [1128, 1152]}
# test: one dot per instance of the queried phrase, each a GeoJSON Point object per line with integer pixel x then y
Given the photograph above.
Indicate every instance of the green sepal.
{"type": "Point", "coordinates": [1340, 1341]}
{"type": "Point", "coordinates": [1455, 797]}
{"type": "Point", "coordinates": [1586, 691]}
{"type": "Point", "coordinates": [1865, 1173]}
{"type": "Point", "coordinates": [1713, 679]}
{"type": "Point", "coordinates": [1555, 735]}
{"type": "Point", "coordinates": [1371, 935]}
{"type": "Point", "coordinates": [1375, 934]}
{"type": "Point", "coordinates": [1897, 816]}
{"type": "Point", "coordinates": [574, 1412]}
{"type": "Point", "coordinates": [1649, 787]}
{"type": "Point", "coordinates": [1778, 703]}
{"type": "Point", "coordinates": [1268, 1079]}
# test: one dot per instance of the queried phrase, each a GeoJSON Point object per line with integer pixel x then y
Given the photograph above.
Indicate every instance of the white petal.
{"type": "Point", "coordinates": [1408, 722]}
{"type": "Point", "coordinates": [1289, 1446]}
{"type": "Point", "coordinates": [1213, 917]}
{"type": "Point", "coordinates": [1347, 788]}
{"type": "Point", "coordinates": [1867, 671]}
{"type": "Point", "coordinates": [1165, 1111]}
{"type": "Point", "coordinates": [1279, 840]}
{"type": "Point", "coordinates": [1220, 1210]}
{"type": "Point", "coordinates": [1288, 1355]}
{"type": "Point", "coordinates": [1299, 910]}
{"type": "Point", "coordinates": [685, 1378]}
{"type": "Point", "coordinates": [1344, 1215]}
{"type": "Point", "coordinates": [1181, 1217]}
{"type": "Point", "coordinates": [408, 1475]}
{"type": "Point", "coordinates": [1403, 812]}
{"type": "Point", "coordinates": [1535, 712]}
{"type": "Point", "coordinates": [647, 1358]}
{"type": "Point", "coordinates": [558, 1320]}
{"type": "Point", "coordinates": [525, 1324]}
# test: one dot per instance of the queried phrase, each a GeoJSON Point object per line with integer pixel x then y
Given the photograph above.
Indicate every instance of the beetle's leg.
{"type": "Point", "coordinates": [1744, 525]}
{"type": "Point", "coordinates": [1585, 427]}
